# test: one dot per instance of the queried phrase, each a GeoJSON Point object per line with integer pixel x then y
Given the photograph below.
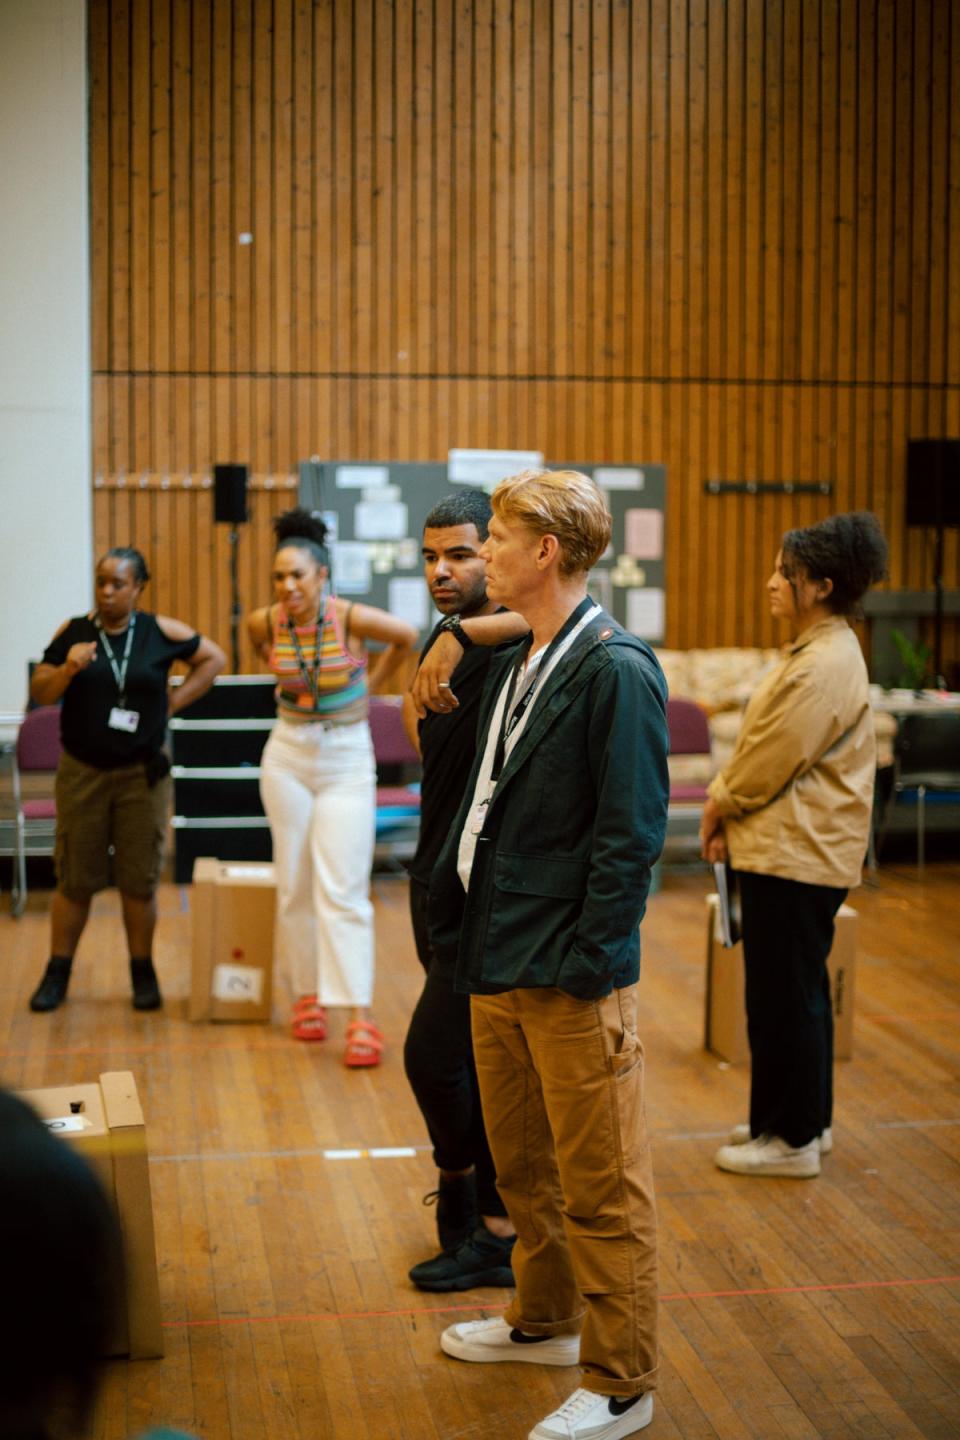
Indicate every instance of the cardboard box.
{"type": "Point", "coordinates": [726, 1020]}
{"type": "Point", "coordinates": [104, 1122]}
{"type": "Point", "coordinates": [233, 905]}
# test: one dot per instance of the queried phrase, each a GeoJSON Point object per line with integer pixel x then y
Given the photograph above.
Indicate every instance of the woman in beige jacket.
{"type": "Point", "coordinates": [791, 812]}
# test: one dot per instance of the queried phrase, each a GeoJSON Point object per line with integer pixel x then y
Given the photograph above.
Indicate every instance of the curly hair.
{"type": "Point", "coordinates": [464, 507]}
{"type": "Point", "coordinates": [850, 550]}
{"type": "Point", "coordinates": [305, 530]}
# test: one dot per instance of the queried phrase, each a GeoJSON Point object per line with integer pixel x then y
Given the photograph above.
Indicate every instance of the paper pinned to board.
{"type": "Point", "coordinates": [381, 492]}
{"type": "Point", "coordinates": [645, 612]}
{"type": "Point", "coordinates": [407, 598]}
{"type": "Point", "coordinates": [362, 477]}
{"type": "Point", "coordinates": [644, 534]}
{"type": "Point", "coordinates": [484, 469]}
{"type": "Point", "coordinates": [240, 984]}
{"type": "Point", "coordinates": [380, 520]}
{"type": "Point", "coordinates": [351, 567]}
{"type": "Point", "coordinates": [618, 477]}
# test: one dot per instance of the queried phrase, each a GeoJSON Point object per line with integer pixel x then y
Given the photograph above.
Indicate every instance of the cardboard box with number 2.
{"type": "Point", "coordinates": [233, 903]}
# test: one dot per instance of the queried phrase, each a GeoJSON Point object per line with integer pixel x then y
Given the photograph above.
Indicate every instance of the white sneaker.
{"type": "Point", "coordinates": [740, 1135]}
{"type": "Point", "coordinates": [495, 1340]}
{"type": "Point", "coordinates": [587, 1416]}
{"type": "Point", "coordinates": [769, 1155]}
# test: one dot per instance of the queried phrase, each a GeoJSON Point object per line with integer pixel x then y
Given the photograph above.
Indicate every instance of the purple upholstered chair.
{"type": "Point", "coordinates": [38, 749]}
{"type": "Point", "coordinates": [689, 735]}
{"type": "Point", "coordinates": [398, 804]}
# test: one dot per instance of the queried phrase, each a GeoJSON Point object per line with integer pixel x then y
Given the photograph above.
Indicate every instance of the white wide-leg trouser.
{"type": "Point", "coordinates": [318, 786]}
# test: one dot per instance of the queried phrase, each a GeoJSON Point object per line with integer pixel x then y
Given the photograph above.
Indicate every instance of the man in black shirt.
{"type": "Point", "coordinates": [476, 1237]}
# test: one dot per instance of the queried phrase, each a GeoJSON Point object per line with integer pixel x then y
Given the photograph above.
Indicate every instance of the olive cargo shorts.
{"type": "Point", "coordinates": [102, 809]}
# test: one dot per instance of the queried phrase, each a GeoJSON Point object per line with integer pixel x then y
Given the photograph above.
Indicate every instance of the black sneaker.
{"type": "Point", "coordinates": [146, 988]}
{"type": "Point", "coordinates": [457, 1214]}
{"type": "Point", "coordinates": [483, 1259]}
{"type": "Point", "coordinates": [52, 990]}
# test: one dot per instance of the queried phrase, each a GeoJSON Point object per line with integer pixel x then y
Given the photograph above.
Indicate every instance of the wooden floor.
{"type": "Point", "coordinates": [796, 1309]}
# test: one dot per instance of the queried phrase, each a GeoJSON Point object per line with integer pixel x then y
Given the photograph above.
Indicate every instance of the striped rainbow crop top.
{"type": "Point", "coordinates": [340, 678]}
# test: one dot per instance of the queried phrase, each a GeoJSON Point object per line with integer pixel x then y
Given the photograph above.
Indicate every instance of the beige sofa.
{"type": "Point", "coordinates": [721, 681]}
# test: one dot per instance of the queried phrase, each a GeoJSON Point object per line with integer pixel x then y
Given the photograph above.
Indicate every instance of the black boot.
{"type": "Point", "coordinates": [146, 988]}
{"type": "Point", "coordinates": [457, 1215]}
{"type": "Point", "coordinates": [482, 1259]}
{"type": "Point", "coordinates": [52, 990]}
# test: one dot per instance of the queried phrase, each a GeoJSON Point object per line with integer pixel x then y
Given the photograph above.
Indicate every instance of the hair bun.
{"type": "Point", "coordinates": [299, 524]}
{"type": "Point", "coordinates": [868, 544]}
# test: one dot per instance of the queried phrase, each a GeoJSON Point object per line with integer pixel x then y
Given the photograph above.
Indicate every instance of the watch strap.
{"type": "Point", "coordinates": [452, 626]}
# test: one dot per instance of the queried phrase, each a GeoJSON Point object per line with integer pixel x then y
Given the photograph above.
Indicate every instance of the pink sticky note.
{"type": "Point", "coordinates": [644, 534]}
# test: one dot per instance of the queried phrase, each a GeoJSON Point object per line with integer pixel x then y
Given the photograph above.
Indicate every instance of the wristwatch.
{"type": "Point", "coordinates": [453, 627]}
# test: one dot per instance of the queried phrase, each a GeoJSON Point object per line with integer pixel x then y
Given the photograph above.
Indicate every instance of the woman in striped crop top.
{"type": "Point", "coordinates": [318, 781]}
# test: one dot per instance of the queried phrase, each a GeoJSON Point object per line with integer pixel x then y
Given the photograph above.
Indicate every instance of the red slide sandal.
{"type": "Point", "coordinates": [365, 1045]}
{"type": "Point", "coordinates": [309, 1019]}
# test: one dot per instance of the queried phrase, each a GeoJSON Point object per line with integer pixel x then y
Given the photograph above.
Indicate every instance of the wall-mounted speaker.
{"type": "Point", "coordinates": [230, 494]}
{"type": "Point", "coordinates": [933, 482]}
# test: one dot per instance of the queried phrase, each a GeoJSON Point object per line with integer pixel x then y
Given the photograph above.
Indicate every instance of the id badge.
{"type": "Point", "coordinates": [127, 720]}
{"type": "Point", "coordinates": [479, 813]}
{"type": "Point", "coordinates": [478, 817]}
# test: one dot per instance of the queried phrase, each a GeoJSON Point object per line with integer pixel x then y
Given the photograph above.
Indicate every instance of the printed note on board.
{"type": "Point", "coordinates": [407, 598]}
{"type": "Point", "coordinates": [362, 477]}
{"type": "Point", "coordinates": [484, 469]}
{"type": "Point", "coordinates": [645, 612]}
{"type": "Point", "coordinates": [380, 520]}
{"type": "Point", "coordinates": [644, 534]}
{"type": "Point", "coordinates": [351, 567]}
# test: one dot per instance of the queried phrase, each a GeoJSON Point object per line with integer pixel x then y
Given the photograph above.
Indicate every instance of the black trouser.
{"type": "Point", "coordinates": [787, 937]}
{"type": "Point", "coordinates": [438, 1057]}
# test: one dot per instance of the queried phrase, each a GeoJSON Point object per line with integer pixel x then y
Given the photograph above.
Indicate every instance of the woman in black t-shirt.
{"type": "Point", "coordinates": [110, 668]}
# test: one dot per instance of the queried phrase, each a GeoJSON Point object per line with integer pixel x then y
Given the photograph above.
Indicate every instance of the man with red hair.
{"type": "Point", "coordinates": [563, 818]}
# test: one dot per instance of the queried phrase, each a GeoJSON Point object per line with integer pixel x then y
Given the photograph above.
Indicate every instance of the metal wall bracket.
{"type": "Point", "coordinates": [768, 487]}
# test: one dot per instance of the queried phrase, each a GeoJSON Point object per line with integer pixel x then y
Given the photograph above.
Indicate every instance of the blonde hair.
{"type": "Point", "coordinates": [563, 503]}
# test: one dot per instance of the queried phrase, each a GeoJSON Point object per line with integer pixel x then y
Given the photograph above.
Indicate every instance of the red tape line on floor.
{"type": "Point", "coordinates": [472, 1309]}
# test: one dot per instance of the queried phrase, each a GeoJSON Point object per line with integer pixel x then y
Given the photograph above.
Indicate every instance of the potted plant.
{"type": "Point", "coordinates": [914, 661]}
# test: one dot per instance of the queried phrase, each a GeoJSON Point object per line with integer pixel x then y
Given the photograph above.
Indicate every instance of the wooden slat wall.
{"type": "Point", "coordinates": [721, 234]}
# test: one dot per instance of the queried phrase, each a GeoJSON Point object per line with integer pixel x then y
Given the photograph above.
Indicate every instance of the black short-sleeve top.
{"type": "Point", "coordinates": [93, 692]}
{"type": "Point", "coordinates": [448, 743]}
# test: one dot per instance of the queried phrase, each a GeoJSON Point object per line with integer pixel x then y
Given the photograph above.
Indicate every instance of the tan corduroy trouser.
{"type": "Point", "coordinates": [561, 1082]}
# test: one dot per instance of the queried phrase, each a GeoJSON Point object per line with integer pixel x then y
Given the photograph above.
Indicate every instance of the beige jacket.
{"type": "Point", "coordinates": [797, 794]}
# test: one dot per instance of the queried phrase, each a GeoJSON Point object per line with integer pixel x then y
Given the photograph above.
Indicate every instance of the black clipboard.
{"type": "Point", "coordinates": [728, 918]}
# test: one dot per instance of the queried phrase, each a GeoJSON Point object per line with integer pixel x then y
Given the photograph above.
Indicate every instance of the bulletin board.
{"type": "Point", "coordinates": [375, 514]}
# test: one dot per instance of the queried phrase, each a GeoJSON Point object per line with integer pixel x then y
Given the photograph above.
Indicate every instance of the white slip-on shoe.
{"type": "Point", "coordinates": [769, 1155]}
{"type": "Point", "coordinates": [486, 1340]}
{"type": "Point", "coordinates": [740, 1135]}
{"type": "Point", "coordinates": [586, 1416]}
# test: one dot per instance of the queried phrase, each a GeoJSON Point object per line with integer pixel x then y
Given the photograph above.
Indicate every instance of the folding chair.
{"type": "Point", "coordinates": [37, 750]}
{"type": "Point", "coordinates": [926, 759]}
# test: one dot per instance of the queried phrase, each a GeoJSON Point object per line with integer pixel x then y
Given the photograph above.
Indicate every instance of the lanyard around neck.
{"type": "Point", "coordinates": [311, 678]}
{"type": "Point", "coordinates": [119, 671]}
{"type": "Point", "coordinates": [510, 720]}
